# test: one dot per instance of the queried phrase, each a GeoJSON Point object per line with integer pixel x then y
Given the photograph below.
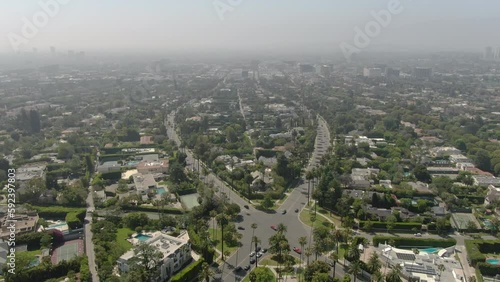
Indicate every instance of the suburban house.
{"type": "Point", "coordinates": [25, 222]}
{"type": "Point", "coordinates": [361, 177]}
{"type": "Point", "coordinates": [146, 167]}
{"type": "Point", "coordinates": [176, 253]}
{"type": "Point", "coordinates": [486, 181]}
{"type": "Point", "coordinates": [144, 182]}
{"type": "Point", "coordinates": [492, 195]}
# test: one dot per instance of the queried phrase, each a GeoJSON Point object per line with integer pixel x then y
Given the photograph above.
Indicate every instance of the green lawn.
{"type": "Point", "coordinates": [269, 260]}
{"type": "Point", "coordinates": [217, 231]}
{"type": "Point", "coordinates": [122, 236]}
{"type": "Point", "coordinates": [247, 279]}
{"type": "Point", "coordinates": [342, 249]}
{"type": "Point", "coordinates": [305, 217]}
{"type": "Point", "coordinates": [330, 216]}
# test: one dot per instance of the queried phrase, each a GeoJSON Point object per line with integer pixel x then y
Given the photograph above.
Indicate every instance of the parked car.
{"type": "Point", "coordinates": [264, 250]}
{"type": "Point", "coordinates": [259, 254]}
{"type": "Point", "coordinates": [237, 269]}
{"type": "Point", "coordinates": [246, 268]}
{"type": "Point", "coordinates": [252, 261]}
{"type": "Point", "coordinates": [258, 249]}
{"type": "Point", "coordinates": [252, 254]}
{"type": "Point", "coordinates": [297, 250]}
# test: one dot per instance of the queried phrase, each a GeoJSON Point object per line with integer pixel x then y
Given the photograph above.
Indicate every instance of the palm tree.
{"type": "Point", "coordinates": [308, 252]}
{"type": "Point", "coordinates": [352, 253]}
{"type": "Point", "coordinates": [254, 226]}
{"type": "Point", "coordinates": [256, 241]}
{"type": "Point", "coordinates": [313, 220]}
{"type": "Point", "coordinates": [206, 273]}
{"type": "Point", "coordinates": [335, 258]}
{"type": "Point", "coordinates": [347, 234]}
{"type": "Point", "coordinates": [337, 237]}
{"type": "Point", "coordinates": [355, 269]}
{"type": "Point", "coordinates": [317, 249]}
{"type": "Point", "coordinates": [281, 228]}
{"type": "Point", "coordinates": [377, 277]}
{"type": "Point", "coordinates": [213, 215]}
{"type": "Point", "coordinates": [309, 176]}
{"type": "Point", "coordinates": [394, 275]}
{"type": "Point", "coordinates": [302, 243]}
{"type": "Point", "coordinates": [374, 265]}
{"type": "Point", "coordinates": [222, 220]}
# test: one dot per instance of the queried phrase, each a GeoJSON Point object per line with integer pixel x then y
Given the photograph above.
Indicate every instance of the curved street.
{"type": "Point", "coordinates": [296, 200]}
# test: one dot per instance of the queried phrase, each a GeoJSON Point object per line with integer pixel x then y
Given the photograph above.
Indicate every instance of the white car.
{"type": "Point", "coordinates": [418, 235]}
{"type": "Point", "coordinates": [252, 254]}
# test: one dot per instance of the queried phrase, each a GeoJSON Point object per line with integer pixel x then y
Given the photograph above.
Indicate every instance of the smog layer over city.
{"type": "Point", "coordinates": [254, 141]}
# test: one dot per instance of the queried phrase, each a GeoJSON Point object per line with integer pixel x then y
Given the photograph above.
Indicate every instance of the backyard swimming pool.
{"type": "Point", "coordinates": [142, 237]}
{"type": "Point", "coordinates": [493, 261]}
{"type": "Point", "coordinates": [160, 190]}
{"type": "Point", "coordinates": [430, 250]}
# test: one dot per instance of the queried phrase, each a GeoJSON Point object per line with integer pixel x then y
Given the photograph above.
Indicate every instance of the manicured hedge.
{"type": "Point", "coordinates": [73, 216]}
{"type": "Point", "coordinates": [188, 273]}
{"type": "Point", "coordinates": [32, 240]}
{"type": "Point", "coordinates": [57, 212]}
{"type": "Point", "coordinates": [488, 269]}
{"type": "Point", "coordinates": [187, 191]}
{"type": "Point", "coordinates": [75, 219]}
{"type": "Point", "coordinates": [115, 175]}
{"type": "Point", "coordinates": [397, 225]}
{"type": "Point", "coordinates": [153, 209]}
{"type": "Point", "coordinates": [476, 249]}
{"type": "Point", "coordinates": [415, 242]}
{"type": "Point", "coordinates": [433, 227]}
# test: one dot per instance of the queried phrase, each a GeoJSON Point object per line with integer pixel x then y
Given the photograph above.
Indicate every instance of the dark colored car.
{"type": "Point", "coordinates": [283, 212]}
{"type": "Point", "coordinates": [252, 261]}
{"type": "Point", "coordinates": [241, 228]}
{"type": "Point", "coordinates": [246, 206]}
{"type": "Point", "coordinates": [237, 269]}
{"type": "Point", "coordinates": [258, 249]}
{"type": "Point", "coordinates": [296, 210]}
{"type": "Point", "coordinates": [246, 268]}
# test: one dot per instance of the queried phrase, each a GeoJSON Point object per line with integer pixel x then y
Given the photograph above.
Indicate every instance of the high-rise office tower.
{"type": "Point", "coordinates": [488, 53]}
{"type": "Point", "coordinates": [422, 73]}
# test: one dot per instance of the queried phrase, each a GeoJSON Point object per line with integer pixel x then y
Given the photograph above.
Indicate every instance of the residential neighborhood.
{"type": "Point", "coordinates": [258, 164]}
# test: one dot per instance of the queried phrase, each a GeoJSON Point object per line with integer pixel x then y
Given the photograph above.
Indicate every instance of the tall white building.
{"type": "Point", "coordinates": [176, 253]}
{"type": "Point", "coordinates": [372, 72]}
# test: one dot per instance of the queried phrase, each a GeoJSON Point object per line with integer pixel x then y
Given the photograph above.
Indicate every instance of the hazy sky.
{"type": "Point", "coordinates": [295, 25]}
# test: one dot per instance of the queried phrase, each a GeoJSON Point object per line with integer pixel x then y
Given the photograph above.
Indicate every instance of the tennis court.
{"type": "Point", "coordinates": [190, 201]}
{"type": "Point", "coordinates": [460, 220]}
{"type": "Point", "coordinates": [67, 251]}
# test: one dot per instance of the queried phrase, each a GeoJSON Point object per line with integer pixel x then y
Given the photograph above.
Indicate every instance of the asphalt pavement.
{"type": "Point", "coordinates": [89, 245]}
{"type": "Point", "coordinates": [296, 200]}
